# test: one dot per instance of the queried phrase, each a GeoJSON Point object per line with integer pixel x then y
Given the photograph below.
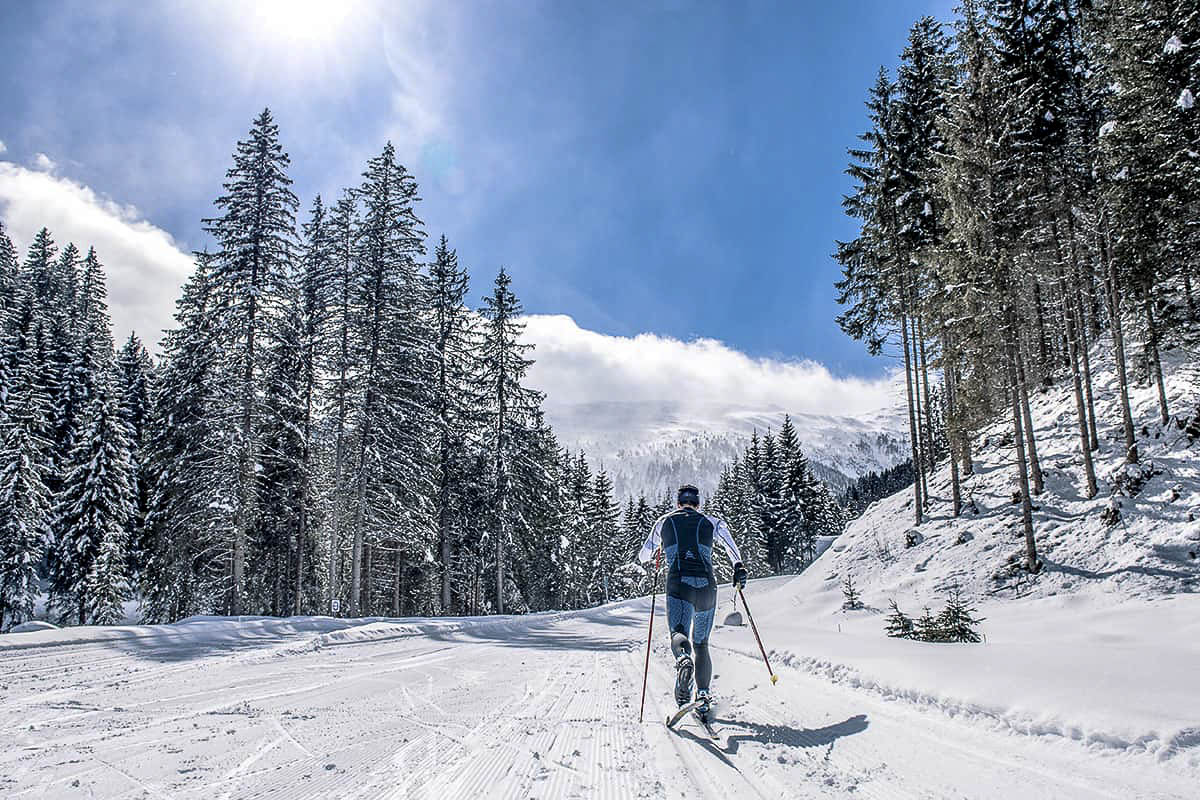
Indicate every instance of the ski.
{"type": "Point", "coordinates": [683, 712]}
{"type": "Point", "coordinates": [712, 732]}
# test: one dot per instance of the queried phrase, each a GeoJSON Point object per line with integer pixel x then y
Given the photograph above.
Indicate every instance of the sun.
{"type": "Point", "coordinates": [300, 21]}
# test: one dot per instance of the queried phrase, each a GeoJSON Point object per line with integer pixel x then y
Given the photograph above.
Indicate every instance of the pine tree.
{"type": "Point", "coordinates": [899, 624]}
{"type": "Point", "coordinates": [191, 467]}
{"type": "Point", "coordinates": [255, 235]}
{"type": "Point", "coordinates": [511, 406]}
{"type": "Point", "coordinates": [92, 517]}
{"type": "Point", "coordinates": [852, 600]}
{"type": "Point", "coordinates": [134, 376]}
{"type": "Point", "coordinates": [456, 401]}
{"type": "Point", "coordinates": [957, 622]}
{"type": "Point", "coordinates": [23, 493]}
{"type": "Point", "coordinates": [392, 372]}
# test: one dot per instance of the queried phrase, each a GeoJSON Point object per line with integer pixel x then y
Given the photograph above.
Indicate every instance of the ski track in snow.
{"type": "Point", "coordinates": [540, 707]}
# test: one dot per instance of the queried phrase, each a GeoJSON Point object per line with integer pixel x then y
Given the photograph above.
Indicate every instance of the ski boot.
{"type": "Point", "coordinates": [704, 710]}
{"type": "Point", "coordinates": [683, 679]}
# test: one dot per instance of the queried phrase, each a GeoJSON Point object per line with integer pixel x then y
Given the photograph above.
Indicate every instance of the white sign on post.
{"type": "Point", "coordinates": [337, 605]}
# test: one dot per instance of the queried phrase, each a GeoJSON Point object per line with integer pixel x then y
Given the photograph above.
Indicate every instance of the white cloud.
{"type": "Point", "coordinates": [44, 162]}
{"type": "Point", "coordinates": [3, 146]}
{"type": "Point", "coordinates": [145, 265]}
{"type": "Point", "coordinates": [578, 366]}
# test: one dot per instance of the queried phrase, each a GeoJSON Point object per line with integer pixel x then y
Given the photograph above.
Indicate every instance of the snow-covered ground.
{"type": "Point", "coordinates": [546, 706]}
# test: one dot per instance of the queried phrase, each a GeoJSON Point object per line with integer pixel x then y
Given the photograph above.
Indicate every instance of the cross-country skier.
{"type": "Point", "coordinates": [687, 537]}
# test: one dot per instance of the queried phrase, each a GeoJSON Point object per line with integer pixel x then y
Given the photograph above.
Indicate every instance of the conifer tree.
{"type": "Point", "coordinates": [92, 516]}
{"type": "Point", "coordinates": [255, 234]}
{"type": "Point", "coordinates": [511, 406]}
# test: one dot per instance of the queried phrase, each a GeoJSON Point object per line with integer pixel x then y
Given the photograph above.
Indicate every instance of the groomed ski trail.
{"type": "Point", "coordinates": [537, 707]}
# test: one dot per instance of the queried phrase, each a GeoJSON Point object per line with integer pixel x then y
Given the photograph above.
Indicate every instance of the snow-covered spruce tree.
{"type": "Point", "coordinates": [511, 408]}
{"type": "Point", "coordinates": [255, 235]}
{"type": "Point", "coordinates": [852, 599]}
{"type": "Point", "coordinates": [191, 467]}
{"type": "Point", "coordinates": [339, 346]}
{"type": "Point", "coordinates": [23, 494]}
{"type": "Point", "coordinates": [391, 468]}
{"type": "Point", "coordinates": [899, 624]}
{"type": "Point", "coordinates": [957, 621]}
{"type": "Point", "coordinates": [76, 535]}
{"type": "Point", "coordinates": [91, 514]}
{"type": "Point", "coordinates": [538, 530]}
{"type": "Point", "coordinates": [982, 214]}
{"type": "Point", "coordinates": [877, 282]}
{"type": "Point", "coordinates": [134, 376]}
{"type": "Point", "coordinates": [284, 550]}
{"type": "Point", "coordinates": [605, 515]}
{"type": "Point", "coordinates": [458, 402]}
{"type": "Point", "coordinates": [9, 280]}
{"type": "Point", "coordinates": [1147, 168]}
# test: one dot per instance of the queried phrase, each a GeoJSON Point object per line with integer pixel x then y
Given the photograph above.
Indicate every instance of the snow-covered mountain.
{"type": "Point", "coordinates": [651, 447]}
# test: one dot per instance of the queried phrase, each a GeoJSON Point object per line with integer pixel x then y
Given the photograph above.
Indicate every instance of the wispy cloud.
{"type": "Point", "coordinates": [578, 366]}
{"type": "Point", "coordinates": [3, 146]}
{"type": "Point", "coordinates": [146, 266]}
{"type": "Point", "coordinates": [44, 162]}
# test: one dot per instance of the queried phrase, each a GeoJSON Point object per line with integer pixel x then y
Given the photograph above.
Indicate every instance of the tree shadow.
{"type": "Point", "coordinates": [792, 737]}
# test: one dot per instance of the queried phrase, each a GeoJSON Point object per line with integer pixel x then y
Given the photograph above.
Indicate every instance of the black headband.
{"type": "Point", "coordinates": [688, 494]}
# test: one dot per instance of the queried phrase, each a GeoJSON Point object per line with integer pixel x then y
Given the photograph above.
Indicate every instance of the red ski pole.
{"type": "Point", "coordinates": [761, 649]}
{"type": "Point", "coordinates": [650, 635]}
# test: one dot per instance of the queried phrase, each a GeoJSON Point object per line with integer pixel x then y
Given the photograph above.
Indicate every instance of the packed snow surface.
{"type": "Point", "coordinates": [1066, 700]}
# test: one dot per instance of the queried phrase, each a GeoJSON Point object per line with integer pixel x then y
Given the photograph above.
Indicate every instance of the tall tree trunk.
{"type": "Point", "coordinates": [1187, 294]}
{"type": "Point", "coordinates": [1077, 383]}
{"type": "Point", "coordinates": [1086, 359]}
{"type": "Point", "coordinates": [1031, 559]}
{"type": "Point", "coordinates": [928, 404]}
{"type": "Point", "coordinates": [1040, 321]}
{"type": "Point", "coordinates": [1131, 449]}
{"type": "Point", "coordinates": [921, 427]}
{"type": "Point", "coordinates": [1035, 465]}
{"type": "Point", "coordinates": [912, 420]}
{"type": "Point", "coordinates": [948, 380]}
{"type": "Point", "coordinates": [1156, 361]}
{"type": "Point", "coordinates": [396, 583]}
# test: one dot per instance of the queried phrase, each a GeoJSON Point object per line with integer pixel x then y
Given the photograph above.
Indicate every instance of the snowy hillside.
{"type": "Point", "coordinates": [1151, 551]}
{"type": "Point", "coordinates": [653, 446]}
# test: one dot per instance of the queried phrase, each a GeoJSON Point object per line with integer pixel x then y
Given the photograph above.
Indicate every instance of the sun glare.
{"type": "Point", "coordinates": [300, 21]}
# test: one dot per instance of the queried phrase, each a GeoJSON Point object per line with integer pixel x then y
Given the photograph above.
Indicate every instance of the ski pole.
{"type": "Point", "coordinates": [649, 635]}
{"type": "Point", "coordinates": [761, 649]}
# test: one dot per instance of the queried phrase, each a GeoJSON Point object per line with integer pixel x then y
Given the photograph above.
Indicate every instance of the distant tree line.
{"type": "Point", "coordinates": [873, 486]}
{"type": "Point", "coordinates": [328, 423]}
{"type": "Point", "coordinates": [1028, 184]}
{"type": "Point", "coordinates": [775, 505]}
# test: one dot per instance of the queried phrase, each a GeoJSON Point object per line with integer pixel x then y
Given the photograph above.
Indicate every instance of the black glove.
{"type": "Point", "coordinates": [739, 575]}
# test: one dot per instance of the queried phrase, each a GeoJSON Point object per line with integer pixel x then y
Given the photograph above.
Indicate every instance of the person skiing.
{"type": "Point", "coordinates": [687, 538]}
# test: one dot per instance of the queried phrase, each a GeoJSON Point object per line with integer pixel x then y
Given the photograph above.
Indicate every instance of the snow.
{"type": "Point", "coordinates": [1186, 100]}
{"type": "Point", "coordinates": [32, 626]}
{"type": "Point", "coordinates": [1173, 46]}
{"type": "Point", "coordinates": [546, 706]}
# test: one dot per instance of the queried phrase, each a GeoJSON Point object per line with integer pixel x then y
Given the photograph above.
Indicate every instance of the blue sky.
{"type": "Point", "coordinates": [667, 167]}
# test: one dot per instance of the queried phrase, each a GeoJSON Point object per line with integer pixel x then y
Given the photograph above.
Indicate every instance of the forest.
{"type": "Point", "coordinates": [330, 427]}
{"type": "Point", "coordinates": [1028, 190]}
